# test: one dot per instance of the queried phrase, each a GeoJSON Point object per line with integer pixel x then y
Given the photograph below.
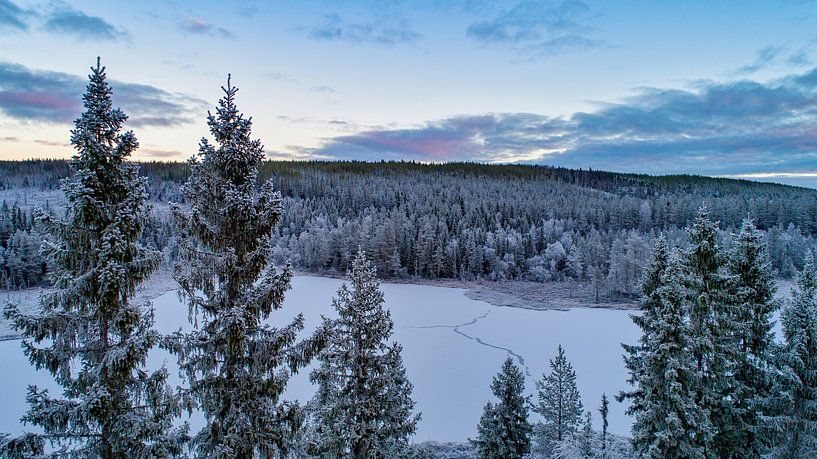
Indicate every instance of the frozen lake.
{"type": "Point", "coordinates": [452, 347]}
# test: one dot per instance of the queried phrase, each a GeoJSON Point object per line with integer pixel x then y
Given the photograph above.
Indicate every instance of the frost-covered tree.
{"type": "Point", "coordinates": [581, 444]}
{"type": "Point", "coordinates": [236, 364]}
{"type": "Point", "coordinates": [713, 330]}
{"type": "Point", "coordinates": [604, 410]}
{"type": "Point", "coordinates": [503, 431]}
{"type": "Point", "coordinates": [669, 421]}
{"type": "Point", "coordinates": [794, 399]}
{"type": "Point", "coordinates": [558, 402]}
{"type": "Point", "coordinates": [89, 335]}
{"type": "Point", "coordinates": [363, 406]}
{"type": "Point", "coordinates": [754, 305]}
{"type": "Point", "coordinates": [649, 303]}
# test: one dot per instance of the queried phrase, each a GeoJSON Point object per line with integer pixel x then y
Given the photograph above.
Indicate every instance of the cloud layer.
{"type": "Point", "coordinates": [334, 27]}
{"type": "Point", "coordinates": [198, 26]}
{"type": "Point", "coordinates": [65, 20]}
{"type": "Point", "coordinates": [536, 28]}
{"type": "Point", "coordinates": [12, 17]}
{"type": "Point", "coordinates": [55, 97]}
{"type": "Point", "coordinates": [740, 127]}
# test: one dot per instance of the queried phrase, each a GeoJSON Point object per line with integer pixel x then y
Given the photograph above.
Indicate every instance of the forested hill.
{"type": "Point", "coordinates": [47, 173]}
{"type": "Point", "coordinates": [467, 220]}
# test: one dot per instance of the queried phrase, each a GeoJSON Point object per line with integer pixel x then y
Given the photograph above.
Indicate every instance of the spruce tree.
{"type": "Point", "coordinates": [649, 303]}
{"type": "Point", "coordinates": [559, 403]}
{"type": "Point", "coordinates": [793, 403]}
{"type": "Point", "coordinates": [754, 305]}
{"type": "Point", "coordinates": [713, 330]}
{"type": "Point", "coordinates": [587, 438]}
{"type": "Point", "coordinates": [669, 421]}
{"type": "Point", "coordinates": [604, 410]}
{"type": "Point", "coordinates": [489, 440]}
{"type": "Point", "coordinates": [581, 444]}
{"type": "Point", "coordinates": [236, 364]}
{"type": "Point", "coordinates": [503, 429]}
{"type": "Point", "coordinates": [89, 335]}
{"type": "Point", "coordinates": [363, 406]}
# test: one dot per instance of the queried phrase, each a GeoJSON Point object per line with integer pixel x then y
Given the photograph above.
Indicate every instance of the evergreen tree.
{"type": "Point", "coordinates": [713, 331]}
{"type": "Point", "coordinates": [794, 399]}
{"type": "Point", "coordinates": [503, 430]}
{"type": "Point", "coordinates": [587, 437]}
{"type": "Point", "coordinates": [90, 336]}
{"type": "Point", "coordinates": [237, 365]}
{"type": "Point", "coordinates": [363, 406]}
{"type": "Point", "coordinates": [649, 304]}
{"type": "Point", "coordinates": [754, 306]}
{"type": "Point", "coordinates": [489, 441]}
{"type": "Point", "coordinates": [559, 403]}
{"type": "Point", "coordinates": [604, 410]}
{"type": "Point", "coordinates": [581, 444]}
{"type": "Point", "coordinates": [669, 422]}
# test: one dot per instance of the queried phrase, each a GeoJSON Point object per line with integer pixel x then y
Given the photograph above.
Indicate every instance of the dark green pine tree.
{"type": "Point", "coordinates": [559, 403]}
{"type": "Point", "coordinates": [754, 305]}
{"type": "Point", "coordinates": [89, 335]}
{"type": "Point", "coordinates": [363, 406]}
{"type": "Point", "coordinates": [793, 402]}
{"type": "Point", "coordinates": [237, 365]}
{"type": "Point", "coordinates": [503, 430]}
{"type": "Point", "coordinates": [713, 334]}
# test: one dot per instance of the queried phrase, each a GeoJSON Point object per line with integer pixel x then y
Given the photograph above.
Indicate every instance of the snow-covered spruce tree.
{"type": "Point", "coordinates": [363, 406]}
{"type": "Point", "coordinates": [558, 402]}
{"type": "Point", "coordinates": [503, 430]}
{"type": "Point", "coordinates": [649, 303]}
{"type": "Point", "coordinates": [669, 422]}
{"type": "Point", "coordinates": [489, 440]}
{"type": "Point", "coordinates": [713, 331]}
{"type": "Point", "coordinates": [793, 401]}
{"type": "Point", "coordinates": [236, 365]}
{"type": "Point", "coordinates": [604, 410]}
{"type": "Point", "coordinates": [89, 335]}
{"type": "Point", "coordinates": [754, 306]}
{"type": "Point", "coordinates": [581, 444]}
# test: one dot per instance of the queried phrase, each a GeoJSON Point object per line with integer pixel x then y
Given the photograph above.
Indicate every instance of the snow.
{"type": "Point", "coordinates": [452, 347]}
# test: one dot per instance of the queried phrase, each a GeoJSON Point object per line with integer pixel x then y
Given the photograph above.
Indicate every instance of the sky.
{"type": "Point", "coordinates": [659, 87]}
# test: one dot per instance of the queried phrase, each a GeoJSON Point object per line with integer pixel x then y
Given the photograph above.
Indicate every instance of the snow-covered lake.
{"type": "Point", "coordinates": [452, 347]}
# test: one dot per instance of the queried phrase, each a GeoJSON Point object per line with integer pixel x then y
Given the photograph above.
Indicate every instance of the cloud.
{"type": "Point", "coordinates": [55, 97]}
{"type": "Point", "coordinates": [10, 139]}
{"type": "Point", "coordinates": [52, 143]}
{"type": "Point", "coordinates": [321, 88]}
{"type": "Point", "coordinates": [12, 17]}
{"type": "Point", "coordinates": [386, 32]}
{"type": "Point", "coordinates": [65, 20]}
{"type": "Point", "coordinates": [198, 26]}
{"type": "Point", "coordinates": [739, 127]}
{"type": "Point", "coordinates": [162, 154]}
{"type": "Point", "coordinates": [536, 28]}
{"type": "Point", "coordinates": [765, 57]}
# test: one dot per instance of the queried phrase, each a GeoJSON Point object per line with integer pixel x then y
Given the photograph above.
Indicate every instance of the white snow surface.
{"type": "Point", "coordinates": [452, 347]}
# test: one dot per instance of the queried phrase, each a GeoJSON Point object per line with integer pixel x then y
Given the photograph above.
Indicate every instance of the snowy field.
{"type": "Point", "coordinates": [452, 347]}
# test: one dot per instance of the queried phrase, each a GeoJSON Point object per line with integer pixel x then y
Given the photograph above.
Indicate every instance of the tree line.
{"type": "Point", "coordinates": [472, 221]}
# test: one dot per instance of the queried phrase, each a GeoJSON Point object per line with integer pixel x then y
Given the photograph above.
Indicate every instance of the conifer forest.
{"type": "Point", "coordinates": [472, 230]}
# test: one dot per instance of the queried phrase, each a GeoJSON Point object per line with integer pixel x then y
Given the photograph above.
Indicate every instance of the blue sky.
{"type": "Point", "coordinates": [713, 88]}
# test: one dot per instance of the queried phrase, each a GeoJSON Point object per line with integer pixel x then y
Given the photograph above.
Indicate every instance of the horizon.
{"type": "Point", "coordinates": [708, 89]}
{"type": "Point", "coordinates": [767, 180]}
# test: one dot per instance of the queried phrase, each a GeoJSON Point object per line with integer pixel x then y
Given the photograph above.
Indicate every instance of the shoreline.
{"type": "Point", "coordinates": [536, 296]}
